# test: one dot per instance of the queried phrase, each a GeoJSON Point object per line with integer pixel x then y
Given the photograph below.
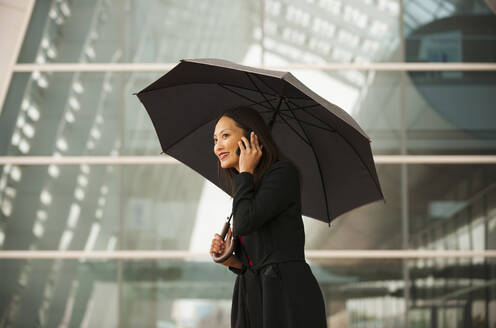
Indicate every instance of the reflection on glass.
{"type": "Point", "coordinates": [98, 31]}
{"type": "Point", "coordinates": [451, 112]}
{"type": "Point", "coordinates": [449, 31]}
{"type": "Point", "coordinates": [315, 32]}
{"type": "Point", "coordinates": [70, 210]}
{"type": "Point", "coordinates": [79, 209]}
{"type": "Point", "coordinates": [357, 292]}
{"type": "Point", "coordinates": [451, 207]}
{"type": "Point", "coordinates": [58, 293]}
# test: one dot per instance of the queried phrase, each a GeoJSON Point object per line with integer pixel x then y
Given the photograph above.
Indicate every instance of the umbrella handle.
{"type": "Point", "coordinates": [230, 244]}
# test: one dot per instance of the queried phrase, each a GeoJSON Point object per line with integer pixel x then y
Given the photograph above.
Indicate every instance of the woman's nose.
{"type": "Point", "coordinates": [218, 146]}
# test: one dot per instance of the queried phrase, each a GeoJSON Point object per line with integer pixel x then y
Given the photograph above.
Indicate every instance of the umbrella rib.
{"type": "Point", "coordinates": [308, 142]}
{"type": "Point", "coordinates": [263, 94]}
{"type": "Point", "coordinates": [309, 123]}
{"type": "Point", "coordinates": [275, 94]}
{"type": "Point", "coordinates": [296, 132]}
{"type": "Point", "coordinates": [276, 112]}
{"type": "Point", "coordinates": [226, 86]}
{"type": "Point", "coordinates": [273, 118]}
{"type": "Point", "coordinates": [243, 96]}
{"type": "Point", "coordinates": [316, 158]}
{"type": "Point", "coordinates": [268, 86]}
{"type": "Point", "coordinates": [302, 107]}
{"type": "Point", "coordinates": [356, 152]}
{"type": "Point", "coordinates": [318, 119]}
{"type": "Point", "coordinates": [307, 106]}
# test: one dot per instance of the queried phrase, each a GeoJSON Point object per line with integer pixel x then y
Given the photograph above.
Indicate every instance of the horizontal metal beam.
{"type": "Point", "coordinates": [152, 67]}
{"type": "Point", "coordinates": [140, 160]}
{"type": "Point", "coordinates": [435, 159]}
{"type": "Point", "coordinates": [92, 160]}
{"type": "Point", "coordinates": [311, 254]}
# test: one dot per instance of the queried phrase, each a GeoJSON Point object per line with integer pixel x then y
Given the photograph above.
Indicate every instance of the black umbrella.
{"type": "Point", "coordinates": [328, 147]}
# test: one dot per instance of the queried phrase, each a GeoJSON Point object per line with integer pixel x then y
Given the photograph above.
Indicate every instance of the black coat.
{"type": "Point", "coordinates": [279, 290]}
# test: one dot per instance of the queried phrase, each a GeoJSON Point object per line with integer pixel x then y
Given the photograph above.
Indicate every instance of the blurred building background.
{"type": "Point", "coordinates": [89, 110]}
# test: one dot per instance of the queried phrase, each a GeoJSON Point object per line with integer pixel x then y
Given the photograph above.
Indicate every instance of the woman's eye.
{"type": "Point", "coordinates": [225, 134]}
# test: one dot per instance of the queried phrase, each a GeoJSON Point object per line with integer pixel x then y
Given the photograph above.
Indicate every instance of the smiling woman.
{"type": "Point", "coordinates": [229, 135]}
{"type": "Point", "coordinates": [274, 287]}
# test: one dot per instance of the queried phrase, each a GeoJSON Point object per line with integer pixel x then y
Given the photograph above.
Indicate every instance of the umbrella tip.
{"type": "Point", "coordinates": [135, 93]}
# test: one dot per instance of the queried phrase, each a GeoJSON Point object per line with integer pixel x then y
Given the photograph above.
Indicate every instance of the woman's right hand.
{"type": "Point", "coordinates": [218, 245]}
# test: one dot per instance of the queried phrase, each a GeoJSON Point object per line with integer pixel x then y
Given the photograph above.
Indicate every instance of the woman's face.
{"type": "Point", "coordinates": [226, 137]}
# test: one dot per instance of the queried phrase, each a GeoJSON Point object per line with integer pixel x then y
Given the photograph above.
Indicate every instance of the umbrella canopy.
{"type": "Point", "coordinates": [327, 145]}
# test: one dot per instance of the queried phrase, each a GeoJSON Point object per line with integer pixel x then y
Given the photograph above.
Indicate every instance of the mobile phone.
{"type": "Point", "coordinates": [247, 136]}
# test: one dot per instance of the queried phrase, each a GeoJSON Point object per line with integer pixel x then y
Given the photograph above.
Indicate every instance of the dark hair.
{"type": "Point", "coordinates": [245, 118]}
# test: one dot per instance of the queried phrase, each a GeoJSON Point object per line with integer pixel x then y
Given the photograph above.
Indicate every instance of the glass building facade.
{"type": "Point", "coordinates": [88, 109]}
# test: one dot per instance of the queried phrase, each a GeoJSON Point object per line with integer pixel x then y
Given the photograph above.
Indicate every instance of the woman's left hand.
{"type": "Point", "coordinates": [251, 152]}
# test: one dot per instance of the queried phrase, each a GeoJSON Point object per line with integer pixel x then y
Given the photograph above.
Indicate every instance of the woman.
{"type": "Point", "coordinates": [274, 287]}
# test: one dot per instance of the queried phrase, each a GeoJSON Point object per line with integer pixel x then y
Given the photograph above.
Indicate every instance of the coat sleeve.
{"type": "Point", "coordinates": [238, 271]}
{"type": "Point", "coordinates": [243, 266]}
{"type": "Point", "coordinates": [276, 192]}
